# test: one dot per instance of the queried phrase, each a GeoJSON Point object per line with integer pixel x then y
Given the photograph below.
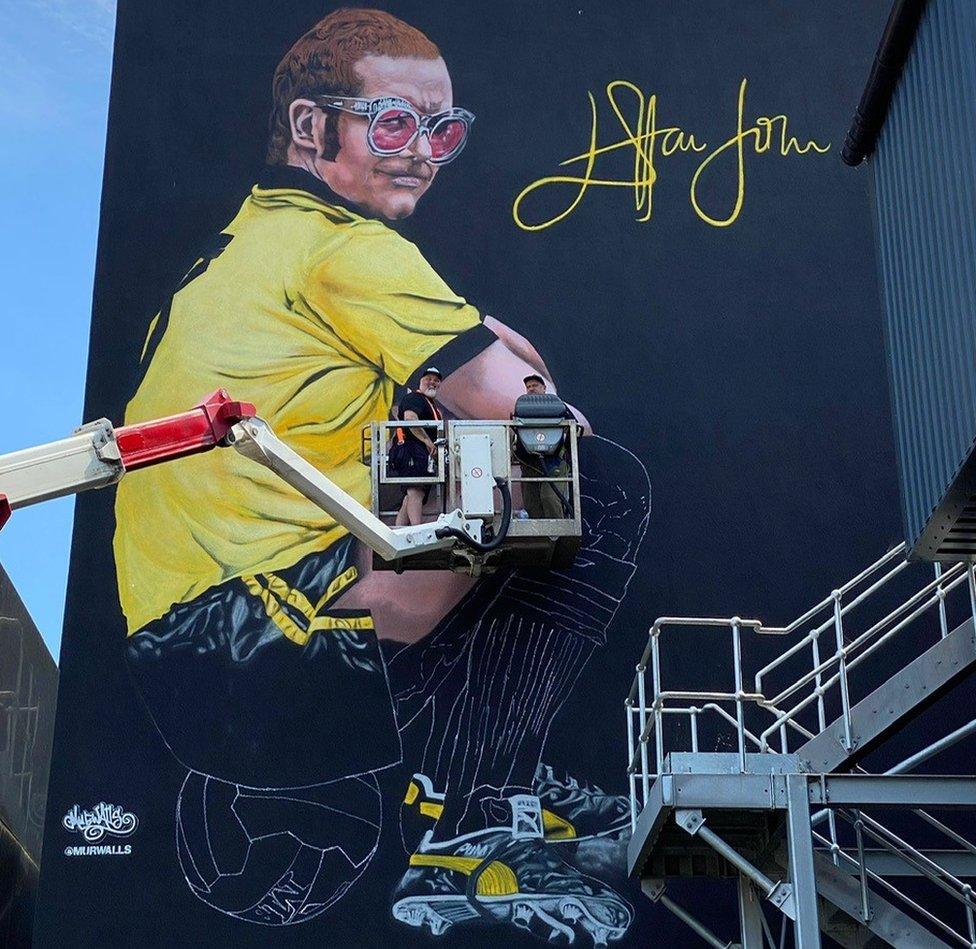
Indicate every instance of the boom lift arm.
{"type": "Point", "coordinates": [98, 455]}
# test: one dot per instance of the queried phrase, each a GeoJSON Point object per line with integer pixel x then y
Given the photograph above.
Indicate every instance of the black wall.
{"type": "Point", "coordinates": [742, 364]}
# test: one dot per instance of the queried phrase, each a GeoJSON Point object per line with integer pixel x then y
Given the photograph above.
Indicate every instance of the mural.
{"type": "Point", "coordinates": [297, 749]}
{"type": "Point", "coordinates": [315, 305]}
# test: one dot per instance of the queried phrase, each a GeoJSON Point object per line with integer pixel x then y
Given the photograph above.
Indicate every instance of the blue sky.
{"type": "Point", "coordinates": [55, 66]}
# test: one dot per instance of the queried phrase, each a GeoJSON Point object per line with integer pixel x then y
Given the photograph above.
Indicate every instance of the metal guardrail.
{"type": "Point", "coordinates": [377, 438]}
{"type": "Point", "coordinates": [799, 707]}
{"type": "Point", "coordinates": [822, 676]}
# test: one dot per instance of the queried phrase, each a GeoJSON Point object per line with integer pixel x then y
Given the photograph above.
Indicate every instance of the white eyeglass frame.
{"type": "Point", "coordinates": [372, 108]}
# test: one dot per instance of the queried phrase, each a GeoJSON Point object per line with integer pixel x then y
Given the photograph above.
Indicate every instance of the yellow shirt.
{"type": "Point", "coordinates": [311, 312]}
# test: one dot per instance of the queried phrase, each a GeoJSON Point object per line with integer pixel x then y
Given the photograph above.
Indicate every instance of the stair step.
{"type": "Point", "coordinates": [886, 922]}
{"type": "Point", "coordinates": [884, 711]}
{"type": "Point", "coordinates": [839, 908]}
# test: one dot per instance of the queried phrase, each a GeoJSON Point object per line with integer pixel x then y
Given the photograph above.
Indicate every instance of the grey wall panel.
{"type": "Point", "coordinates": [18, 891]}
{"type": "Point", "coordinates": [28, 695]}
{"type": "Point", "coordinates": [925, 175]}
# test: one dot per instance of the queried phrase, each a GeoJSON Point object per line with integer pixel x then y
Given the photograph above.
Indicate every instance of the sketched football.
{"type": "Point", "coordinates": [275, 857]}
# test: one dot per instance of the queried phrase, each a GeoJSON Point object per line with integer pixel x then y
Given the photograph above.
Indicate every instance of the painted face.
{"type": "Point", "coordinates": [534, 387]}
{"type": "Point", "coordinates": [390, 186]}
{"type": "Point", "coordinates": [429, 385]}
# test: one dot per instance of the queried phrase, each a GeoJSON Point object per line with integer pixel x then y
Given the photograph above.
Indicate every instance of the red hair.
{"type": "Point", "coordinates": [323, 62]}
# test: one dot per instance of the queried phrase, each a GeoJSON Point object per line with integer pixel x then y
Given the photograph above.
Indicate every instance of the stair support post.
{"type": "Point", "coordinates": [658, 710]}
{"type": "Point", "coordinates": [941, 594]}
{"type": "Point", "coordinates": [750, 916]}
{"type": "Point", "coordinates": [862, 867]}
{"type": "Point", "coordinates": [845, 696]}
{"type": "Point", "coordinates": [799, 835]}
{"type": "Point", "coordinates": [739, 711]}
{"type": "Point", "coordinates": [631, 777]}
{"type": "Point", "coordinates": [970, 921]}
{"type": "Point", "coordinates": [642, 722]}
{"type": "Point", "coordinates": [822, 725]}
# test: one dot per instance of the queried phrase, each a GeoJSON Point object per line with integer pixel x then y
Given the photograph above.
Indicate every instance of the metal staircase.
{"type": "Point", "coordinates": [768, 786]}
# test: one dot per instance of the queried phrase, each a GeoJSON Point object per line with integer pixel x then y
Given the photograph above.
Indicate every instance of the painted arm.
{"type": "Point", "coordinates": [519, 345]}
{"type": "Point", "coordinates": [488, 385]}
{"type": "Point", "coordinates": [407, 607]}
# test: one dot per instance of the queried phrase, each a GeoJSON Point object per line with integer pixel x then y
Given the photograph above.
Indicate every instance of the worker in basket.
{"type": "Point", "coordinates": [413, 451]}
{"type": "Point", "coordinates": [541, 452]}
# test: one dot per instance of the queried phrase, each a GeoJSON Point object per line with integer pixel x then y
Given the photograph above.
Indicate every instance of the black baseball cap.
{"type": "Point", "coordinates": [432, 371]}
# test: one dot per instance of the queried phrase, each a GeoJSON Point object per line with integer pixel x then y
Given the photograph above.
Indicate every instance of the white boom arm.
{"type": "Point", "coordinates": [98, 455]}
{"type": "Point", "coordinates": [254, 439]}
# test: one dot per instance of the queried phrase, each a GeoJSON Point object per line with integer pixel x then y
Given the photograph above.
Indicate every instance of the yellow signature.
{"type": "Point", "coordinates": [768, 132]}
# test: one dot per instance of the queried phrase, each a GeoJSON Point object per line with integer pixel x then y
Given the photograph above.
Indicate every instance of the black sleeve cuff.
{"type": "Point", "coordinates": [457, 352]}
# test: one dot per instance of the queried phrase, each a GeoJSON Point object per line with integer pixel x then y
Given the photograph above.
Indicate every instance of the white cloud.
{"type": "Point", "coordinates": [55, 57]}
{"type": "Point", "coordinates": [25, 87]}
{"type": "Point", "coordinates": [89, 20]}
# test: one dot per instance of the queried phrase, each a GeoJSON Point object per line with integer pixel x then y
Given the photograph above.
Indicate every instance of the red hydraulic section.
{"type": "Point", "coordinates": [4, 510]}
{"type": "Point", "coordinates": [176, 436]}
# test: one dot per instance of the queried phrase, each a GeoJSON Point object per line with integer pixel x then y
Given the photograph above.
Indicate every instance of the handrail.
{"type": "Point", "coordinates": [935, 584]}
{"type": "Point", "coordinates": [650, 703]}
{"type": "Point", "coordinates": [928, 868]}
{"type": "Point", "coordinates": [681, 621]}
{"type": "Point", "coordinates": [913, 857]}
{"type": "Point", "coordinates": [828, 601]}
{"type": "Point", "coordinates": [843, 652]}
{"type": "Point", "coordinates": [943, 583]}
{"type": "Point", "coordinates": [881, 881]}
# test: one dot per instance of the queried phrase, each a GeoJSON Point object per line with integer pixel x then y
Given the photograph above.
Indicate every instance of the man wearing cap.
{"type": "Point", "coordinates": [413, 447]}
{"type": "Point", "coordinates": [543, 498]}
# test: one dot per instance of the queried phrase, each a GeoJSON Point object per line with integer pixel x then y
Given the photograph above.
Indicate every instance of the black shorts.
{"type": "Point", "coordinates": [260, 681]}
{"type": "Point", "coordinates": [410, 459]}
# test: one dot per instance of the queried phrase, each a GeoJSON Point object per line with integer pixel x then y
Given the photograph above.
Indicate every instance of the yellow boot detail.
{"type": "Point", "coordinates": [496, 879]}
{"type": "Point", "coordinates": [554, 826]}
{"type": "Point", "coordinates": [557, 828]}
{"type": "Point", "coordinates": [431, 809]}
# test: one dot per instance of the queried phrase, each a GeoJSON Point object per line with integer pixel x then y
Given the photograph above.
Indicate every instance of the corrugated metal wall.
{"type": "Point", "coordinates": [925, 174]}
{"type": "Point", "coordinates": [28, 689]}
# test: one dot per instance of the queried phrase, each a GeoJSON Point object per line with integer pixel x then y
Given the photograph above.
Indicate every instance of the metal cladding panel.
{"type": "Point", "coordinates": [925, 173]}
{"type": "Point", "coordinates": [28, 688]}
{"type": "Point", "coordinates": [28, 694]}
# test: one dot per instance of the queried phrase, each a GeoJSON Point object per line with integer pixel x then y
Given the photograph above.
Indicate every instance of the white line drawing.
{"type": "Point", "coordinates": [274, 859]}
{"type": "Point", "coordinates": [482, 708]}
